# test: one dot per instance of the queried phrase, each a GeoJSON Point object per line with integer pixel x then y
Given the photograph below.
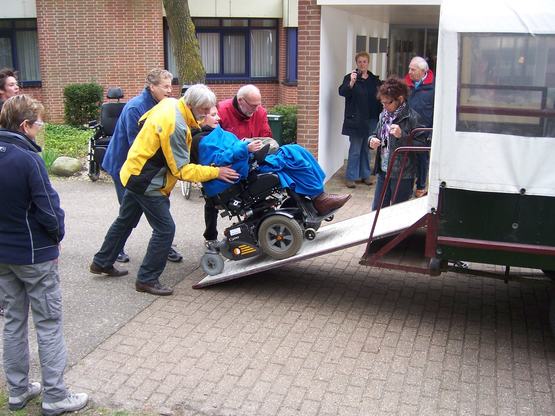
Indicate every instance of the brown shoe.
{"type": "Point", "coordinates": [154, 288]}
{"type": "Point", "coordinates": [326, 203]}
{"type": "Point", "coordinates": [368, 181]}
{"type": "Point", "coordinates": [419, 193]}
{"type": "Point", "coordinates": [350, 184]}
{"type": "Point", "coordinates": [108, 271]}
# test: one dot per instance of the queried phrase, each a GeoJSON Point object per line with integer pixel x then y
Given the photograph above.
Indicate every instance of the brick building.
{"type": "Point", "coordinates": [54, 43]}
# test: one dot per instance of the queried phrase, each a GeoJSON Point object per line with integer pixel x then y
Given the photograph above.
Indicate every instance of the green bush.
{"type": "Point", "coordinates": [82, 103]}
{"type": "Point", "coordinates": [289, 113]}
{"type": "Point", "coordinates": [65, 140]}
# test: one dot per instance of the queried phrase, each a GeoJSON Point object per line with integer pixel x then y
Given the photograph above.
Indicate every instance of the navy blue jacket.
{"type": "Point", "coordinates": [421, 99]}
{"type": "Point", "coordinates": [125, 132]}
{"type": "Point", "coordinates": [31, 220]}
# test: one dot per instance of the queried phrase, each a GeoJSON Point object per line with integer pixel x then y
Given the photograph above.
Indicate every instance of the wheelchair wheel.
{"type": "Point", "coordinates": [94, 170]}
{"type": "Point", "coordinates": [280, 237]}
{"type": "Point", "coordinates": [186, 189]}
{"type": "Point", "coordinates": [212, 264]}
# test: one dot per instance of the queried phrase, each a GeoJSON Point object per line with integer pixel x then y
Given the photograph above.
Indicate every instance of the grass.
{"type": "Point", "coordinates": [33, 408]}
{"type": "Point", "coordinates": [64, 140]}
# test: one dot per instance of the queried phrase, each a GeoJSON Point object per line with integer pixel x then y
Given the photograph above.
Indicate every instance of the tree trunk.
{"type": "Point", "coordinates": [186, 48]}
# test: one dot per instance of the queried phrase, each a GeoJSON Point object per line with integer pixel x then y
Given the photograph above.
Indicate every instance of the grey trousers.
{"type": "Point", "coordinates": [39, 286]}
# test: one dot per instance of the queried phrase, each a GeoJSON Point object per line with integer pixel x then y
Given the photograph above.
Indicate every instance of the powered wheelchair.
{"type": "Point", "coordinates": [103, 131]}
{"type": "Point", "coordinates": [271, 220]}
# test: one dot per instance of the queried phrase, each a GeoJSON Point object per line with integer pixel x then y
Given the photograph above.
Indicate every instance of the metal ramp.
{"type": "Point", "coordinates": [333, 237]}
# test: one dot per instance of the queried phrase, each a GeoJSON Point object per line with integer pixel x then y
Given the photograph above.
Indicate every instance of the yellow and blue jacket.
{"type": "Point", "coordinates": [160, 154]}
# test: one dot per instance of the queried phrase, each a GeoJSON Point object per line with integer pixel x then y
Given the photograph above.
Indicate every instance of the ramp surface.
{"type": "Point", "coordinates": [336, 236]}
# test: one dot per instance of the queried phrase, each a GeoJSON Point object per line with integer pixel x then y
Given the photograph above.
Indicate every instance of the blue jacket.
{"type": "Point", "coordinates": [31, 220]}
{"type": "Point", "coordinates": [296, 167]}
{"type": "Point", "coordinates": [126, 131]}
{"type": "Point", "coordinates": [421, 99]}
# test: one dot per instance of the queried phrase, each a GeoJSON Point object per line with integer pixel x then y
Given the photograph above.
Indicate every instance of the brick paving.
{"type": "Point", "coordinates": [327, 336]}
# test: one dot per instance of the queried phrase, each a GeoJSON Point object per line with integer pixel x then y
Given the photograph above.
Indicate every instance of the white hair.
{"type": "Point", "coordinates": [199, 95]}
{"type": "Point", "coordinates": [420, 63]}
{"type": "Point", "coordinates": [247, 90]}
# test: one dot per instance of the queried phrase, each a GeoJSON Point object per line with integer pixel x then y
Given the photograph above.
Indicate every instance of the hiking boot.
{"type": "Point", "coordinates": [33, 390]}
{"type": "Point", "coordinates": [71, 403]}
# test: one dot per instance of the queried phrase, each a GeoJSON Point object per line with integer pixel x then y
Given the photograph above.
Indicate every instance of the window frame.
{"type": "Point", "coordinates": [11, 34]}
{"type": "Point", "coordinates": [222, 30]}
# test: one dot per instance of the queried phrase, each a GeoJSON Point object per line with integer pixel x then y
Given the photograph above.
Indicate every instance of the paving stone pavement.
{"type": "Point", "coordinates": [327, 336]}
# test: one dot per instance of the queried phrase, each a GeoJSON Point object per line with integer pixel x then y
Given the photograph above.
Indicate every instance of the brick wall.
{"type": "Point", "coordinates": [108, 42]}
{"type": "Point", "coordinates": [308, 74]}
{"type": "Point", "coordinates": [116, 44]}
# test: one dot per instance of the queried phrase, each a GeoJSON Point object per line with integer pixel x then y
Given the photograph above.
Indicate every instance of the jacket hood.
{"type": "Point", "coordinates": [427, 81]}
{"type": "Point", "coordinates": [19, 139]}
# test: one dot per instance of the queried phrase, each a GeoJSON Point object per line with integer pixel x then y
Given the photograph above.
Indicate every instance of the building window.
{"type": "Point", "coordinates": [507, 84]}
{"type": "Point", "coordinates": [291, 73]}
{"type": "Point", "coordinates": [19, 49]}
{"type": "Point", "coordinates": [234, 48]}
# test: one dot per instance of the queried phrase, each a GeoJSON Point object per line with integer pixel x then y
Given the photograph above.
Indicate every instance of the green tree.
{"type": "Point", "coordinates": [185, 44]}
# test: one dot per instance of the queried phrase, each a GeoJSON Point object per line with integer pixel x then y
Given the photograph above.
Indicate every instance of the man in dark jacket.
{"type": "Point", "coordinates": [31, 228]}
{"type": "Point", "coordinates": [421, 83]}
{"type": "Point", "coordinates": [158, 86]}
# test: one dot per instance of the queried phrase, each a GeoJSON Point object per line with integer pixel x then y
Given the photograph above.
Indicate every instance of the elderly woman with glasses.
{"type": "Point", "coordinates": [395, 123]}
{"type": "Point", "coordinates": [31, 228]}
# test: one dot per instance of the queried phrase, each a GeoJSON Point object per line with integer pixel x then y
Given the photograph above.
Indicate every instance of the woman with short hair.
{"type": "Point", "coordinates": [31, 228]}
{"type": "Point", "coordinates": [396, 122]}
{"type": "Point", "coordinates": [9, 86]}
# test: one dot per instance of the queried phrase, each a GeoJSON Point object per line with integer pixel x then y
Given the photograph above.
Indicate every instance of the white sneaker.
{"type": "Point", "coordinates": [72, 403]}
{"type": "Point", "coordinates": [19, 402]}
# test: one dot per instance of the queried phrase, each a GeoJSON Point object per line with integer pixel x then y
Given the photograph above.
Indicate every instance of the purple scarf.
{"type": "Point", "coordinates": [387, 120]}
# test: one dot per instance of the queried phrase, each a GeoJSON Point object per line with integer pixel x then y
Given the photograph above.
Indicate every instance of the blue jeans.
{"type": "Point", "coordinates": [157, 213]}
{"type": "Point", "coordinates": [422, 162]}
{"type": "Point", "coordinates": [403, 194]}
{"type": "Point", "coordinates": [358, 162]}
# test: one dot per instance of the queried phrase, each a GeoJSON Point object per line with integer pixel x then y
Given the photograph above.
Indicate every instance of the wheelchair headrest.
{"type": "Point", "coordinates": [114, 93]}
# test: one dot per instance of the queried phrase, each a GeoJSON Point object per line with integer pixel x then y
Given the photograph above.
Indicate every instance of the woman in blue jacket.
{"type": "Point", "coordinates": [31, 228]}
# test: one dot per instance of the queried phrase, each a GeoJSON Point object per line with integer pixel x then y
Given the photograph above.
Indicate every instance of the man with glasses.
{"type": "Point", "coordinates": [243, 115]}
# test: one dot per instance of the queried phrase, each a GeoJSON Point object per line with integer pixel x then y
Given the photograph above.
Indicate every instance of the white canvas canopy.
{"type": "Point", "coordinates": [497, 55]}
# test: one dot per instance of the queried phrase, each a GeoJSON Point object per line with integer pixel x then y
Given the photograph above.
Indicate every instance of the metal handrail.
{"type": "Point", "coordinates": [405, 150]}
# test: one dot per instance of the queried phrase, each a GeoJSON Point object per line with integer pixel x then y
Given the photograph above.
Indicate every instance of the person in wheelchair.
{"type": "Point", "coordinates": [296, 167]}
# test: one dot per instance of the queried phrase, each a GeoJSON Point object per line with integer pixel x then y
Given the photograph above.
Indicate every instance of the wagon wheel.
{"type": "Point", "coordinates": [280, 237]}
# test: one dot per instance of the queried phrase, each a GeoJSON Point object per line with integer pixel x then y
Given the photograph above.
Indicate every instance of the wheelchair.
{"type": "Point", "coordinates": [271, 220]}
{"type": "Point", "coordinates": [103, 130]}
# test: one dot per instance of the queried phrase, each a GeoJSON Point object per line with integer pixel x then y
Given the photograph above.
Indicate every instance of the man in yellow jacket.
{"type": "Point", "coordinates": [158, 157]}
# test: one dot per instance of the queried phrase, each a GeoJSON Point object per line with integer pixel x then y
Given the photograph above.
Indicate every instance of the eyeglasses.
{"type": "Point", "coordinates": [39, 124]}
{"type": "Point", "coordinates": [253, 106]}
{"type": "Point", "coordinates": [387, 102]}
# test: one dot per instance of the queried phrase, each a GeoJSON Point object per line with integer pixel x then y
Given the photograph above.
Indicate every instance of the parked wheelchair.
{"type": "Point", "coordinates": [103, 131]}
{"type": "Point", "coordinates": [271, 220]}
